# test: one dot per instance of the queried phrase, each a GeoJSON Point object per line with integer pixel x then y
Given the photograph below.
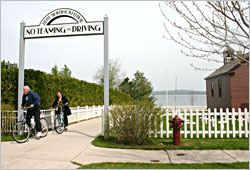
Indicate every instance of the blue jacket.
{"type": "Point", "coordinates": [31, 98]}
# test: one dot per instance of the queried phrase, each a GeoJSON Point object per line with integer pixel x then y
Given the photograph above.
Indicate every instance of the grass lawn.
{"type": "Point", "coordinates": [192, 144]}
{"type": "Point", "coordinates": [6, 137]}
{"type": "Point", "coordinates": [244, 165]}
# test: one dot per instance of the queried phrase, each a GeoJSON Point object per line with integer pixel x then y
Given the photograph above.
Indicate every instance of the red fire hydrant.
{"type": "Point", "coordinates": [176, 125]}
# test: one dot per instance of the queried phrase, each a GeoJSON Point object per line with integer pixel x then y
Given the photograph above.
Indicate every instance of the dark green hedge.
{"type": "Point", "coordinates": [78, 92]}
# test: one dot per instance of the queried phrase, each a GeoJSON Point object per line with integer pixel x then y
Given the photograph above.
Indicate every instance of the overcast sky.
{"type": "Point", "coordinates": [135, 38]}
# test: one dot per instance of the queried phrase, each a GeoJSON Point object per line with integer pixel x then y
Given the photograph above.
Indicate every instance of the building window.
{"type": "Point", "coordinates": [220, 87]}
{"type": "Point", "coordinates": [212, 88]}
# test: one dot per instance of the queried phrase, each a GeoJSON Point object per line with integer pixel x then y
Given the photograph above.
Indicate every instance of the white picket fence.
{"type": "Point", "coordinates": [9, 118]}
{"type": "Point", "coordinates": [213, 124]}
{"type": "Point", "coordinates": [205, 122]}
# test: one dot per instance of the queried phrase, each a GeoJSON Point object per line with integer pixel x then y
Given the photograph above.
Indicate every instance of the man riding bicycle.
{"type": "Point", "coordinates": [32, 101]}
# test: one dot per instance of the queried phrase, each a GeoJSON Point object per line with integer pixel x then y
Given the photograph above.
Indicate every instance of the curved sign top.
{"type": "Point", "coordinates": [62, 12]}
{"type": "Point", "coordinates": [79, 28]}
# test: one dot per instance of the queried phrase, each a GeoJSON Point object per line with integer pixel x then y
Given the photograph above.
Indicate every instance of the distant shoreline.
{"type": "Point", "coordinates": [179, 92]}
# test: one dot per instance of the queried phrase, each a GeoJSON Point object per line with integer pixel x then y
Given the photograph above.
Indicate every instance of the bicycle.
{"type": "Point", "coordinates": [21, 131]}
{"type": "Point", "coordinates": [59, 120]}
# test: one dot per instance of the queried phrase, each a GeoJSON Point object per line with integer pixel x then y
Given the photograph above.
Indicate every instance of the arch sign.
{"type": "Point", "coordinates": [46, 29]}
{"type": "Point", "coordinates": [79, 27]}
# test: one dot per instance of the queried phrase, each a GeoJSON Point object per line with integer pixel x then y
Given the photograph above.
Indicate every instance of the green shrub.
{"type": "Point", "coordinates": [6, 107]}
{"type": "Point", "coordinates": [79, 92]}
{"type": "Point", "coordinates": [130, 123]}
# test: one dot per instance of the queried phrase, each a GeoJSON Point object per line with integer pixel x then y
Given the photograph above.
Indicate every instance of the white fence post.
{"type": "Point", "coordinates": [155, 129]}
{"type": "Point", "coordinates": [233, 122]}
{"type": "Point", "coordinates": [246, 124]}
{"type": "Point", "coordinates": [203, 123]}
{"type": "Point", "coordinates": [99, 108]}
{"type": "Point", "coordinates": [240, 122]}
{"type": "Point", "coordinates": [185, 123]}
{"type": "Point", "coordinates": [78, 114]}
{"type": "Point", "coordinates": [191, 123]}
{"type": "Point", "coordinates": [52, 118]}
{"type": "Point", "coordinates": [161, 127]}
{"type": "Point", "coordinates": [215, 123]}
{"type": "Point", "coordinates": [209, 125]}
{"type": "Point", "coordinates": [227, 121]}
{"type": "Point", "coordinates": [197, 124]}
{"type": "Point", "coordinates": [167, 124]}
{"type": "Point", "coordinates": [221, 123]}
{"type": "Point", "coordinates": [87, 113]}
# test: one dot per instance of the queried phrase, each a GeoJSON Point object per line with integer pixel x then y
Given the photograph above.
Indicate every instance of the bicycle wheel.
{"type": "Point", "coordinates": [21, 132]}
{"type": "Point", "coordinates": [45, 127]}
{"type": "Point", "coordinates": [59, 125]}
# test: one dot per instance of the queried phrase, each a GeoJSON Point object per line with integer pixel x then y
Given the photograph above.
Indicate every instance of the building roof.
{"type": "Point", "coordinates": [228, 67]}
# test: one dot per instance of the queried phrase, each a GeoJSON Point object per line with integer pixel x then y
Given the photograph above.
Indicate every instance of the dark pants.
{"type": "Point", "coordinates": [65, 118]}
{"type": "Point", "coordinates": [36, 113]}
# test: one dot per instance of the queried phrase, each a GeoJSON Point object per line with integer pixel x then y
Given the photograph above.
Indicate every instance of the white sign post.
{"type": "Point", "coordinates": [106, 81]}
{"type": "Point", "coordinates": [79, 28]}
{"type": "Point", "coordinates": [21, 70]}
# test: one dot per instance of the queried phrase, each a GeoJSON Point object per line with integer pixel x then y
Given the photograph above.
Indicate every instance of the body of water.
{"type": "Point", "coordinates": [181, 100]}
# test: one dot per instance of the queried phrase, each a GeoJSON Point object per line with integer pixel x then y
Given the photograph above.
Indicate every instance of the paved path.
{"type": "Point", "coordinates": [58, 151]}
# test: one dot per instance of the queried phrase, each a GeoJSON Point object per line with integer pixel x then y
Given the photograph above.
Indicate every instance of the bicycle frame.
{"type": "Point", "coordinates": [21, 126]}
{"type": "Point", "coordinates": [61, 115]}
{"type": "Point", "coordinates": [25, 110]}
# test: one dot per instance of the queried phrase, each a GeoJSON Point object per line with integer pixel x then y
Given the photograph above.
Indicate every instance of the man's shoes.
{"type": "Point", "coordinates": [65, 128]}
{"type": "Point", "coordinates": [39, 134]}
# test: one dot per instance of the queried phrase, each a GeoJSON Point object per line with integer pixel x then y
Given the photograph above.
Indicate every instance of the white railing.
{"type": "Point", "coordinates": [202, 123]}
{"type": "Point", "coordinates": [9, 118]}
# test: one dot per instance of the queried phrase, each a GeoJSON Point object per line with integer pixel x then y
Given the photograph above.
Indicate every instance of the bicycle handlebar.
{"type": "Point", "coordinates": [26, 107]}
{"type": "Point", "coordinates": [61, 105]}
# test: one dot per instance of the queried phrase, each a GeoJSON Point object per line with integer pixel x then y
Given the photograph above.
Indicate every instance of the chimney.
{"type": "Point", "coordinates": [228, 54]}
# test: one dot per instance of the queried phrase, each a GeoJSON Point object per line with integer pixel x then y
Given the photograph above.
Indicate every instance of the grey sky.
{"type": "Point", "coordinates": [135, 30]}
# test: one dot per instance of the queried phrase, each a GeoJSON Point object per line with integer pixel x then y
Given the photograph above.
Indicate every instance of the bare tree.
{"type": "Point", "coordinates": [206, 29]}
{"type": "Point", "coordinates": [116, 75]}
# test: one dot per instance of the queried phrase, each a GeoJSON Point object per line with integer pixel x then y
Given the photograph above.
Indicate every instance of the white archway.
{"type": "Point", "coordinates": [81, 28]}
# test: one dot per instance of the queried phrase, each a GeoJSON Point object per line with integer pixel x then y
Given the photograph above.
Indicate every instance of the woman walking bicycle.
{"type": "Point", "coordinates": [62, 100]}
